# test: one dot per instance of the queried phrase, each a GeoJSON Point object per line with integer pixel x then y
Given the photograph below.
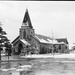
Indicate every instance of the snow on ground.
{"type": "Point", "coordinates": [71, 56]}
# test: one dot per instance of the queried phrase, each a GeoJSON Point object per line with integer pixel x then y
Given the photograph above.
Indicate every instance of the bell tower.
{"type": "Point", "coordinates": [26, 30]}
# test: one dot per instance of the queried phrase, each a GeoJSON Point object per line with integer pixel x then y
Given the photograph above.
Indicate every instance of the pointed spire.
{"type": "Point", "coordinates": [27, 19]}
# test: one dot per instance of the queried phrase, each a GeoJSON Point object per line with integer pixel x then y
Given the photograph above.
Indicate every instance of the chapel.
{"type": "Point", "coordinates": [28, 42]}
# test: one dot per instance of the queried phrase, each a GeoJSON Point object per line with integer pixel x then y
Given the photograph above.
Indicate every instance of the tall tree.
{"type": "Point", "coordinates": [8, 48]}
{"type": "Point", "coordinates": [3, 39]}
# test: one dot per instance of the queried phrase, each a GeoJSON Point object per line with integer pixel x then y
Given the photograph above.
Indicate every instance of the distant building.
{"type": "Point", "coordinates": [62, 45]}
{"type": "Point", "coordinates": [28, 42]}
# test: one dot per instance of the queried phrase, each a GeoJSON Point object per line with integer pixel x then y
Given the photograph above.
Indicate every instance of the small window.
{"type": "Point", "coordinates": [27, 46]}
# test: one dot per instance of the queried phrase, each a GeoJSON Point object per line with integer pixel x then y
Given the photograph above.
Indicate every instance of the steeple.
{"type": "Point", "coordinates": [26, 30]}
{"type": "Point", "coordinates": [26, 20]}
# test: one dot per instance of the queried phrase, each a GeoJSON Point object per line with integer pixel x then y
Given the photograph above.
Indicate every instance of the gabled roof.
{"type": "Point", "coordinates": [40, 38]}
{"type": "Point", "coordinates": [22, 40]}
{"type": "Point", "coordinates": [43, 39]}
{"type": "Point", "coordinates": [27, 19]}
{"type": "Point", "coordinates": [62, 40]}
{"type": "Point", "coordinates": [15, 39]}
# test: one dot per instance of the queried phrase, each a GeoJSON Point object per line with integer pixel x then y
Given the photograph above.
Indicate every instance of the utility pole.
{"type": "Point", "coordinates": [53, 39]}
{"type": "Point", "coordinates": [52, 45]}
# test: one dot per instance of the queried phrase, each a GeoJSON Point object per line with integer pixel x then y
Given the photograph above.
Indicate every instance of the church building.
{"type": "Point", "coordinates": [28, 42]}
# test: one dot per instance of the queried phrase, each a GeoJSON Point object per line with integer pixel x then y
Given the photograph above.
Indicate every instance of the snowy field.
{"type": "Point", "coordinates": [71, 56]}
{"type": "Point", "coordinates": [60, 65]}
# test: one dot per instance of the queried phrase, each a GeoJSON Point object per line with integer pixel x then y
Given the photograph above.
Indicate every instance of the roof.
{"type": "Point", "coordinates": [27, 19]}
{"type": "Point", "coordinates": [59, 43]}
{"type": "Point", "coordinates": [62, 40]}
{"type": "Point", "coordinates": [46, 39]}
{"type": "Point", "coordinates": [24, 41]}
{"type": "Point", "coordinates": [43, 39]}
{"type": "Point", "coordinates": [15, 39]}
{"type": "Point", "coordinates": [40, 38]}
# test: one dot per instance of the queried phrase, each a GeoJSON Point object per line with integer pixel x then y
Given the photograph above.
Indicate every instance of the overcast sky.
{"type": "Point", "coordinates": [57, 17]}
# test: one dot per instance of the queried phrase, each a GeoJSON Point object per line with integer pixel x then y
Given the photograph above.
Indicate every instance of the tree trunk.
{"type": "Point", "coordinates": [0, 55]}
{"type": "Point", "coordinates": [8, 55]}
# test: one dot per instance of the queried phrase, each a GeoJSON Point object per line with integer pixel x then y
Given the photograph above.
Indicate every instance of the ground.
{"type": "Point", "coordinates": [63, 64]}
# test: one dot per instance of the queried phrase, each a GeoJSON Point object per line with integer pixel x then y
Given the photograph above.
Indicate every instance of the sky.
{"type": "Point", "coordinates": [47, 17]}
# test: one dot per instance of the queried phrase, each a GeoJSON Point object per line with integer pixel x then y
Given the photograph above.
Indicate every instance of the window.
{"type": "Point", "coordinates": [27, 46]}
{"type": "Point", "coordinates": [28, 38]}
{"type": "Point", "coordinates": [24, 34]}
{"type": "Point", "coordinates": [59, 46]}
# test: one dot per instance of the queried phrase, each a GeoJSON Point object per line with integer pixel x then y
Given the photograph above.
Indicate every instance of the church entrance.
{"type": "Point", "coordinates": [20, 47]}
